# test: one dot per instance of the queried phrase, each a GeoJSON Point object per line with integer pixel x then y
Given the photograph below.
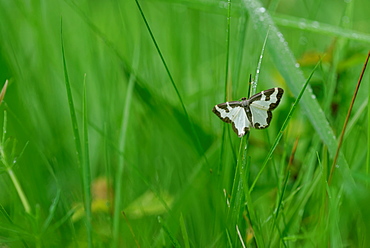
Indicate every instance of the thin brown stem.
{"type": "Point", "coordinates": [347, 119]}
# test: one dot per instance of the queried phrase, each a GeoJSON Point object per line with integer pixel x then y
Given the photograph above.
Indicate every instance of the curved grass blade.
{"type": "Point", "coordinates": [70, 102]}
{"type": "Point", "coordinates": [80, 158]}
{"type": "Point", "coordinates": [321, 28]}
{"type": "Point", "coordinates": [198, 143]}
{"type": "Point", "coordinates": [289, 69]}
{"type": "Point", "coordinates": [282, 129]}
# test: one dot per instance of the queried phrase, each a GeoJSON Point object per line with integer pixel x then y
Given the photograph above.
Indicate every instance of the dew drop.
{"type": "Point", "coordinates": [315, 24]}
{"type": "Point", "coordinates": [262, 10]}
{"type": "Point", "coordinates": [302, 25]}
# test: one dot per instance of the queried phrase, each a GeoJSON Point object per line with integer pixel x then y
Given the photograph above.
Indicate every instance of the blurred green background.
{"type": "Point", "coordinates": [164, 169]}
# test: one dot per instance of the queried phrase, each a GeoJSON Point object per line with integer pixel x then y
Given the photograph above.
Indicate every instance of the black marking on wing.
{"type": "Point", "coordinates": [246, 129]}
{"type": "Point", "coordinates": [268, 120]}
{"type": "Point", "coordinates": [224, 106]}
{"type": "Point", "coordinates": [267, 94]}
{"type": "Point", "coordinates": [278, 97]}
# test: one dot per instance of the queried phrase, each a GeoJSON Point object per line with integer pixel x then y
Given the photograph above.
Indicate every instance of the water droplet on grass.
{"type": "Point", "coordinates": [262, 10]}
{"type": "Point", "coordinates": [302, 24]}
{"type": "Point", "coordinates": [315, 24]}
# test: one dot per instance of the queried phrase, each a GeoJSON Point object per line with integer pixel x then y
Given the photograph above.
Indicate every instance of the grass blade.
{"type": "Point", "coordinates": [86, 173]}
{"type": "Point", "coordinates": [3, 91]}
{"type": "Point", "coordinates": [282, 129]}
{"type": "Point", "coordinates": [321, 28]}
{"type": "Point", "coordinates": [82, 158]}
{"type": "Point", "coordinates": [347, 119]}
{"type": "Point", "coordinates": [184, 232]}
{"type": "Point", "coordinates": [288, 67]}
{"type": "Point", "coordinates": [198, 143]}
{"type": "Point", "coordinates": [8, 167]}
{"type": "Point", "coordinates": [121, 163]}
{"type": "Point", "coordinates": [254, 84]}
{"type": "Point", "coordinates": [228, 83]}
{"type": "Point", "coordinates": [174, 241]}
{"type": "Point", "coordinates": [162, 57]}
{"type": "Point", "coordinates": [52, 211]}
{"type": "Point", "coordinates": [70, 102]}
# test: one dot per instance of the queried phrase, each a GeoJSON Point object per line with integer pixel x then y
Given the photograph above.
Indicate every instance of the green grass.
{"type": "Point", "coordinates": [109, 139]}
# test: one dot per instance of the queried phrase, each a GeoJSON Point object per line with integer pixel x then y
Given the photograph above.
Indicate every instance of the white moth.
{"type": "Point", "coordinates": [252, 112]}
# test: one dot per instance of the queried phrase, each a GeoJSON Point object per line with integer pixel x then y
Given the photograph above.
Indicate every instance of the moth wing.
{"type": "Point", "coordinates": [261, 105]}
{"type": "Point", "coordinates": [261, 117]}
{"type": "Point", "coordinates": [233, 112]}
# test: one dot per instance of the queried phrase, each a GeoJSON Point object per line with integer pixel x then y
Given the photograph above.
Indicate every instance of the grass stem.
{"type": "Point", "coordinates": [347, 119]}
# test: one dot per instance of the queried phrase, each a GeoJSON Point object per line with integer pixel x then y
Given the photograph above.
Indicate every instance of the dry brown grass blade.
{"type": "Point", "coordinates": [347, 119]}
{"type": "Point", "coordinates": [3, 91]}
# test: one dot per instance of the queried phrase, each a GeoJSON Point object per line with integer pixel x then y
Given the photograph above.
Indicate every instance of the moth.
{"type": "Point", "coordinates": [252, 112]}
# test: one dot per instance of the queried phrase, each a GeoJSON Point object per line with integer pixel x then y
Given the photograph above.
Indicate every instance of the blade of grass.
{"type": "Point", "coordinates": [228, 81]}
{"type": "Point", "coordinates": [184, 232]}
{"type": "Point", "coordinates": [141, 87]}
{"type": "Point", "coordinates": [71, 106]}
{"type": "Point", "coordinates": [347, 119]}
{"type": "Point", "coordinates": [283, 127]}
{"type": "Point", "coordinates": [277, 209]}
{"type": "Point", "coordinates": [289, 21]}
{"type": "Point", "coordinates": [121, 162]}
{"type": "Point", "coordinates": [8, 168]}
{"type": "Point", "coordinates": [240, 236]}
{"type": "Point", "coordinates": [86, 173]}
{"type": "Point", "coordinates": [259, 64]}
{"type": "Point", "coordinates": [288, 67]}
{"type": "Point", "coordinates": [236, 196]}
{"type": "Point", "coordinates": [239, 179]}
{"type": "Point", "coordinates": [251, 212]}
{"type": "Point", "coordinates": [174, 241]}
{"type": "Point", "coordinates": [198, 143]}
{"type": "Point", "coordinates": [321, 28]}
{"type": "Point", "coordinates": [3, 91]}
{"type": "Point", "coordinates": [51, 214]}
{"type": "Point", "coordinates": [131, 230]}
{"type": "Point", "coordinates": [228, 85]}
{"type": "Point", "coordinates": [368, 137]}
